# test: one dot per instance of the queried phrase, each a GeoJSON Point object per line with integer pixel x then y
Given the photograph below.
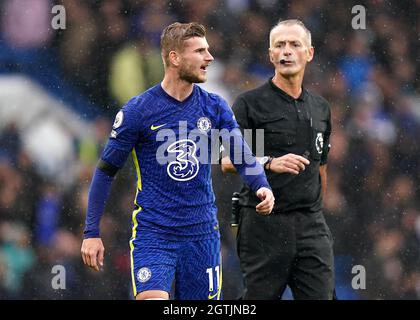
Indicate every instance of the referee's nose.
{"type": "Point", "coordinates": [287, 52]}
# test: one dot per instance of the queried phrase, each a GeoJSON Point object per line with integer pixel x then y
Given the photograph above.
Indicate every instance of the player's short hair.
{"type": "Point", "coordinates": [175, 34]}
{"type": "Point", "coordinates": [291, 22]}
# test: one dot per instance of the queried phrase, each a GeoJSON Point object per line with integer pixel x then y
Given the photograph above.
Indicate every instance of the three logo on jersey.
{"type": "Point", "coordinates": [186, 165]}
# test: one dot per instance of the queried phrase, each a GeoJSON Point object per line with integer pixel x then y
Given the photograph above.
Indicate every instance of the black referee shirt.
{"type": "Point", "coordinates": [301, 126]}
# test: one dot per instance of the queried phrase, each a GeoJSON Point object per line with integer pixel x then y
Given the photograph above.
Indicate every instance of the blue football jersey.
{"type": "Point", "coordinates": [171, 145]}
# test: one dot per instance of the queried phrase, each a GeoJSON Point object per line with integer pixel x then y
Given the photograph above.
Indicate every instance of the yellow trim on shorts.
{"type": "Point", "coordinates": [219, 289]}
{"type": "Point", "coordinates": [134, 219]}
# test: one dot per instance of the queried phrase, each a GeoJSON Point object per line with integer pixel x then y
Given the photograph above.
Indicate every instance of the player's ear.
{"type": "Point", "coordinates": [174, 58]}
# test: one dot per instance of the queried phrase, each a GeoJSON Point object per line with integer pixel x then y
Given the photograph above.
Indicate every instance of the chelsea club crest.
{"type": "Point", "coordinates": [204, 124]}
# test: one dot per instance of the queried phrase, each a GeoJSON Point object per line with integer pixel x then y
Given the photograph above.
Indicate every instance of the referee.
{"type": "Point", "coordinates": [293, 245]}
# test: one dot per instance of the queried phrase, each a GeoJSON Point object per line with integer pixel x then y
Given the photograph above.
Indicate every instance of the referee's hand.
{"type": "Point", "coordinates": [93, 253]}
{"type": "Point", "coordinates": [266, 206]}
{"type": "Point", "coordinates": [289, 163]}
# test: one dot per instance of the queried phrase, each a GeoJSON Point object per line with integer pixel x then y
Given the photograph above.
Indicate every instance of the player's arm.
{"type": "Point", "coordinates": [240, 111]}
{"type": "Point", "coordinates": [92, 247]}
{"type": "Point", "coordinates": [250, 169]}
{"type": "Point", "coordinates": [123, 138]}
{"type": "Point", "coordinates": [245, 162]}
{"type": "Point", "coordinates": [227, 166]}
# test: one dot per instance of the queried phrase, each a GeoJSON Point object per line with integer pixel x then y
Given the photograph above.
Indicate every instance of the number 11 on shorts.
{"type": "Point", "coordinates": [210, 273]}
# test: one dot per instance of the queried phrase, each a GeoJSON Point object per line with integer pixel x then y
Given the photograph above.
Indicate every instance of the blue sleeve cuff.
{"type": "Point", "coordinates": [98, 195]}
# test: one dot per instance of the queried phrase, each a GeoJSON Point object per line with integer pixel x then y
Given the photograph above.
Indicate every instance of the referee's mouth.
{"type": "Point", "coordinates": [287, 63]}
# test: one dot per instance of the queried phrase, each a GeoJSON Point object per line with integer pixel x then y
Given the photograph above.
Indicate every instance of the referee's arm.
{"type": "Point", "coordinates": [227, 165]}
{"type": "Point", "coordinates": [323, 174]}
{"type": "Point", "coordinates": [324, 157]}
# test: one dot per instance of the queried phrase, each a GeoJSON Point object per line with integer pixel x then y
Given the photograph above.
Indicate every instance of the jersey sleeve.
{"type": "Point", "coordinates": [127, 127]}
{"type": "Point", "coordinates": [124, 135]}
{"type": "Point", "coordinates": [126, 131]}
{"type": "Point", "coordinates": [238, 150]}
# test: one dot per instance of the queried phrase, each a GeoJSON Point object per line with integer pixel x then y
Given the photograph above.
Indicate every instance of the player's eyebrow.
{"type": "Point", "coordinates": [201, 49]}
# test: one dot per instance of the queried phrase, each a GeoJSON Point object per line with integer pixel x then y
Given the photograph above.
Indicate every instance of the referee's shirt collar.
{"type": "Point", "coordinates": [285, 96]}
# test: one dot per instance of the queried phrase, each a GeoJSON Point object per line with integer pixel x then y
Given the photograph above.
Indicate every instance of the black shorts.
{"type": "Point", "coordinates": [294, 249]}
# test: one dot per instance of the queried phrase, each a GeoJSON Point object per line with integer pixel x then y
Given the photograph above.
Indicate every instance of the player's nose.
{"type": "Point", "coordinates": [209, 57]}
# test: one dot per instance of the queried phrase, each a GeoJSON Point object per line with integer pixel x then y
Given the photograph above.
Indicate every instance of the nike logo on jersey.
{"type": "Point", "coordinates": [212, 296]}
{"type": "Point", "coordinates": [153, 128]}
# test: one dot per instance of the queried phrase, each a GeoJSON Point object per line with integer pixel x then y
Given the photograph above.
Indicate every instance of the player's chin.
{"type": "Point", "coordinates": [201, 78]}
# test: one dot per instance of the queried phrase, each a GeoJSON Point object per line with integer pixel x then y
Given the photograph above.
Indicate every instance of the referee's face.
{"type": "Point", "coordinates": [290, 50]}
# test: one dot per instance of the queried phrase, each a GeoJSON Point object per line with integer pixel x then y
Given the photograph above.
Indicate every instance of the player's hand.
{"type": "Point", "coordinates": [289, 163]}
{"type": "Point", "coordinates": [266, 206]}
{"type": "Point", "coordinates": [93, 253]}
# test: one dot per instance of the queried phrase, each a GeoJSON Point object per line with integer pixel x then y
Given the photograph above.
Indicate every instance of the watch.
{"type": "Point", "coordinates": [263, 161]}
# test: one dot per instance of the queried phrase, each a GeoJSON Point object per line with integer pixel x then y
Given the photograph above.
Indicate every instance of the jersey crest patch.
{"type": "Point", "coordinates": [204, 124]}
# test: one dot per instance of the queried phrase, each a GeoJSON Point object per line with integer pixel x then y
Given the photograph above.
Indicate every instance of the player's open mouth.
{"type": "Point", "coordinates": [204, 68]}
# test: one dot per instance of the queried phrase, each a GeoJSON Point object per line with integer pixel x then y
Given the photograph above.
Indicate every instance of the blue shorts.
{"type": "Point", "coordinates": [195, 266]}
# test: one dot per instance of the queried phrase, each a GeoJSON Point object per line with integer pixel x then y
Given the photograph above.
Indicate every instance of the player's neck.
{"type": "Point", "coordinates": [291, 85]}
{"type": "Point", "coordinates": [177, 88]}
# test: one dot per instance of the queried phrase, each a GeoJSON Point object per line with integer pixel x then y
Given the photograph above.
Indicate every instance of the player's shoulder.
{"type": "Point", "coordinates": [141, 104]}
{"type": "Point", "coordinates": [210, 97]}
{"type": "Point", "coordinates": [143, 98]}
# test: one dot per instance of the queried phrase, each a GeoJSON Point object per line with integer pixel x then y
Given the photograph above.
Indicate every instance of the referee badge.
{"type": "Point", "coordinates": [319, 142]}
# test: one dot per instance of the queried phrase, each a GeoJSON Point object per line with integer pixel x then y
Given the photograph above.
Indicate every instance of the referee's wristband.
{"type": "Point", "coordinates": [265, 162]}
{"type": "Point", "coordinates": [267, 165]}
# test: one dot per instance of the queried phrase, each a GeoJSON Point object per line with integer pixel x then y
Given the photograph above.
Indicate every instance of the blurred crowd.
{"type": "Point", "coordinates": [110, 52]}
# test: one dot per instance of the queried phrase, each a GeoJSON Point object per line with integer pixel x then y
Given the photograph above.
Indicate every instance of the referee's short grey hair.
{"type": "Point", "coordinates": [291, 22]}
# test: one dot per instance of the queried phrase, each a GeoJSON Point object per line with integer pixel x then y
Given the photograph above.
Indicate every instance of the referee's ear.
{"type": "Point", "coordinates": [311, 52]}
{"type": "Point", "coordinates": [270, 55]}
